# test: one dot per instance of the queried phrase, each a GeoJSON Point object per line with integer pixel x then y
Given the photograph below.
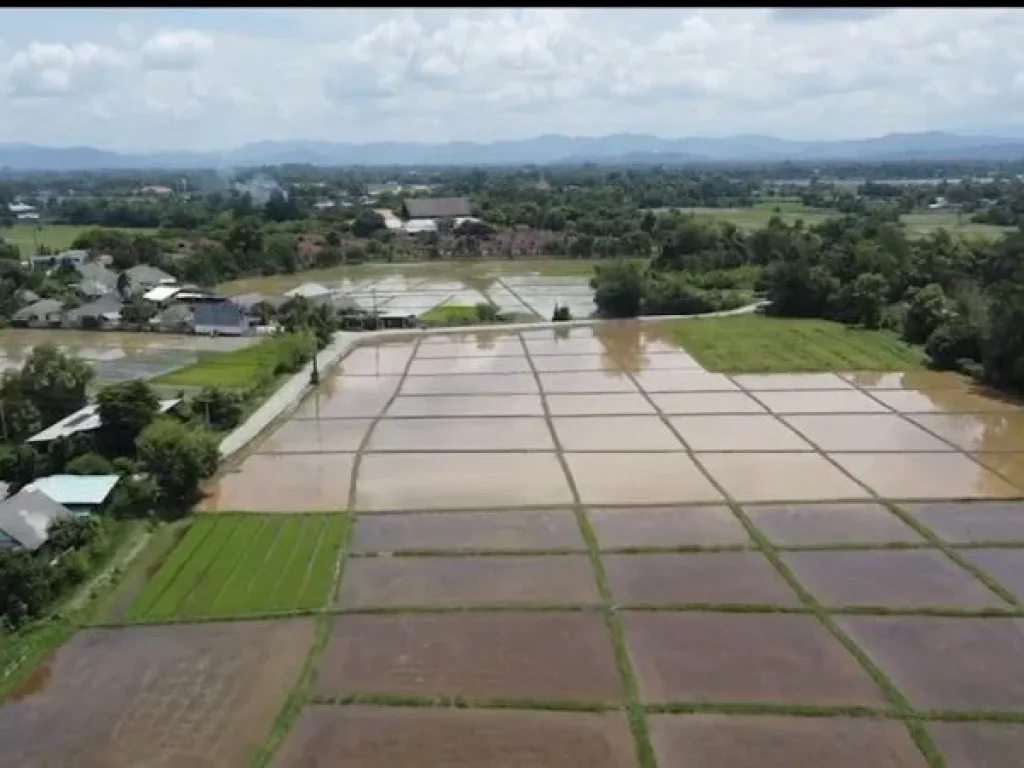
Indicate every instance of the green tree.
{"type": "Point", "coordinates": [55, 383]}
{"type": "Point", "coordinates": [125, 410]}
{"type": "Point", "coordinates": [89, 464]}
{"type": "Point", "coordinates": [219, 408]}
{"type": "Point", "coordinates": [366, 223]}
{"type": "Point", "coordinates": [561, 314]}
{"type": "Point", "coordinates": [926, 311]}
{"type": "Point", "coordinates": [138, 312]}
{"type": "Point", "coordinates": [618, 288]}
{"type": "Point", "coordinates": [178, 458]}
{"type": "Point", "coordinates": [19, 466]}
{"type": "Point", "coordinates": [863, 300]}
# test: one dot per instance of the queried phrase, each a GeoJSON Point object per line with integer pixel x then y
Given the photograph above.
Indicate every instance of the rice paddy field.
{"type": "Point", "coordinates": [245, 565]}
{"type": "Point", "coordinates": [579, 546]}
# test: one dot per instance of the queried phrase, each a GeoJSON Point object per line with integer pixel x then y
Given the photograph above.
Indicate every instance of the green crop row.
{"type": "Point", "coordinates": [245, 565]}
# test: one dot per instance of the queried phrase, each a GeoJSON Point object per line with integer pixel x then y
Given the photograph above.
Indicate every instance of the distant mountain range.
{"type": "Point", "coordinates": [625, 149]}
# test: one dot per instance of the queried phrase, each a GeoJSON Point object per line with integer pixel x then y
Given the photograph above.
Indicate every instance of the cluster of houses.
{"type": "Point", "coordinates": [176, 308]}
{"type": "Point", "coordinates": [422, 215]}
{"type": "Point", "coordinates": [26, 516]}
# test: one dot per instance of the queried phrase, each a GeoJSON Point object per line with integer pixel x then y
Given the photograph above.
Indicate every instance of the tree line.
{"type": "Point", "coordinates": [963, 300]}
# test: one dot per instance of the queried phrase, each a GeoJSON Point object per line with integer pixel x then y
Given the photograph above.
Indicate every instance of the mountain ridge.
{"type": "Point", "coordinates": [547, 149]}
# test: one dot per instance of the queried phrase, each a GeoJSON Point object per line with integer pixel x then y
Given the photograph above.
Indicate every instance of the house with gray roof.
{"type": "Point", "coordinates": [79, 494]}
{"type": "Point", "coordinates": [221, 318]}
{"type": "Point", "coordinates": [45, 313]}
{"type": "Point", "coordinates": [143, 277]}
{"type": "Point", "coordinates": [96, 280]}
{"type": "Point", "coordinates": [104, 312]}
{"type": "Point", "coordinates": [437, 208]}
{"type": "Point", "coordinates": [49, 260]}
{"type": "Point", "coordinates": [25, 519]}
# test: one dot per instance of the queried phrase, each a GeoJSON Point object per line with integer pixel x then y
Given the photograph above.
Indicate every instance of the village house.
{"type": "Point", "coordinates": [78, 494]}
{"type": "Point", "coordinates": [45, 313]}
{"type": "Point", "coordinates": [437, 208]}
{"type": "Point", "coordinates": [25, 519]}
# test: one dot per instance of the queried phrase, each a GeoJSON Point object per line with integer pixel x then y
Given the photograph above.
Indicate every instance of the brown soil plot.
{"type": "Point", "coordinates": [892, 578]}
{"type": "Point", "coordinates": [706, 577]}
{"type": "Point", "coordinates": [970, 745]}
{"type": "Point", "coordinates": [753, 658]}
{"type": "Point", "coordinates": [967, 522]}
{"type": "Point", "coordinates": [468, 531]}
{"type": "Point", "coordinates": [525, 656]}
{"type": "Point", "coordinates": [946, 663]}
{"type": "Point", "coordinates": [667, 527]}
{"type": "Point", "coordinates": [204, 694]}
{"type": "Point", "coordinates": [392, 737]}
{"type": "Point", "coordinates": [816, 524]}
{"type": "Point", "coordinates": [468, 581]}
{"type": "Point", "coordinates": [715, 741]}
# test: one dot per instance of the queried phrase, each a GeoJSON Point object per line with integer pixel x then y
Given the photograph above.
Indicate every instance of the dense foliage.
{"type": "Point", "coordinates": [30, 583]}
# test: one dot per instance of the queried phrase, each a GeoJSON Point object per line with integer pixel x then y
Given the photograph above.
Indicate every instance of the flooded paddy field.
{"type": "Point", "coordinates": [201, 694]}
{"type": "Point", "coordinates": [579, 546]}
{"type": "Point", "coordinates": [117, 356]}
{"type": "Point", "coordinates": [525, 289]}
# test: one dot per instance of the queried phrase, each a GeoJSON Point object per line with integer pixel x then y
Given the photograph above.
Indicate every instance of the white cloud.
{"type": "Point", "coordinates": [203, 78]}
{"type": "Point", "coordinates": [175, 50]}
{"type": "Point", "coordinates": [53, 69]}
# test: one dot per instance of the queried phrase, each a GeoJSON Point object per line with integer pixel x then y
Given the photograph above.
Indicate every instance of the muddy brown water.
{"type": "Point", "coordinates": [543, 656]}
{"type": "Point", "coordinates": [743, 658]}
{"type": "Point", "coordinates": [915, 652]}
{"type": "Point", "coordinates": [773, 741]}
{"type": "Point", "coordinates": [389, 737]}
{"type": "Point", "coordinates": [199, 695]}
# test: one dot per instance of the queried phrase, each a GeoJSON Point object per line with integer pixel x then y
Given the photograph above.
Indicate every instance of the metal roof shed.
{"type": "Point", "coordinates": [78, 493]}
{"type": "Point", "coordinates": [83, 420]}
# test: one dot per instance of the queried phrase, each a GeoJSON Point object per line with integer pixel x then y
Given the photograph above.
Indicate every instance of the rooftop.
{"type": "Point", "coordinates": [437, 207]}
{"type": "Point", "coordinates": [76, 490]}
{"type": "Point", "coordinates": [26, 516]}
{"type": "Point", "coordinates": [83, 420]}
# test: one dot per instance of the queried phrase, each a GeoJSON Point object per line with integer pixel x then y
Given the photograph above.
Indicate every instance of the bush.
{"type": "Point", "coordinates": [133, 498]}
{"type": "Point", "coordinates": [926, 310]}
{"type": "Point", "coordinates": [125, 409]}
{"type": "Point", "coordinates": [561, 314]}
{"type": "Point", "coordinates": [218, 408]}
{"type": "Point", "coordinates": [178, 458]}
{"type": "Point", "coordinates": [952, 342]}
{"type": "Point", "coordinates": [618, 288]}
{"type": "Point", "coordinates": [486, 312]}
{"type": "Point", "coordinates": [90, 464]}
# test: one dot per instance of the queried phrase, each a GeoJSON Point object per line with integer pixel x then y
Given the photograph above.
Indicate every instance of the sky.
{"type": "Point", "coordinates": [208, 79]}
